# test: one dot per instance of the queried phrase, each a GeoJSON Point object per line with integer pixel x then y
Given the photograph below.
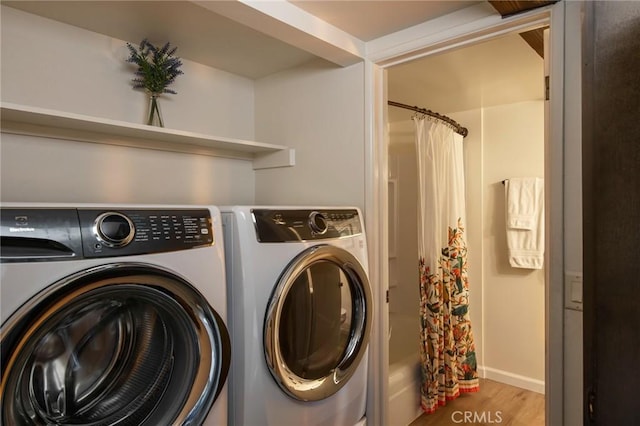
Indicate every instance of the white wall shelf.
{"type": "Point", "coordinates": [33, 121]}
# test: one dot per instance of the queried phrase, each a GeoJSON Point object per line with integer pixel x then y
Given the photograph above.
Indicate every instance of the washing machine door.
{"type": "Point", "coordinates": [126, 344]}
{"type": "Point", "coordinates": [318, 323]}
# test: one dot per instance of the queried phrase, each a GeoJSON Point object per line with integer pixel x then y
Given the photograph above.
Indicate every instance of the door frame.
{"type": "Point", "coordinates": [463, 28]}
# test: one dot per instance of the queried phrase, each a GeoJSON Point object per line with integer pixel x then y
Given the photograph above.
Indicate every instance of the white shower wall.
{"type": "Point", "coordinates": [506, 304]}
{"type": "Point", "coordinates": [404, 370]}
{"type": "Point", "coordinates": [403, 262]}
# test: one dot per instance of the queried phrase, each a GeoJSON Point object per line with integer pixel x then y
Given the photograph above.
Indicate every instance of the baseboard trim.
{"type": "Point", "coordinates": [512, 379]}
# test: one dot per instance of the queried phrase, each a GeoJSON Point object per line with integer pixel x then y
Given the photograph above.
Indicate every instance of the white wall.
{"type": "Point", "coordinates": [49, 64]}
{"type": "Point", "coordinates": [49, 170]}
{"type": "Point", "coordinates": [318, 109]}
{"type": "Point", "coordinates": [57, 66]}
{"type": "Point", "coordinates": [513, 327]}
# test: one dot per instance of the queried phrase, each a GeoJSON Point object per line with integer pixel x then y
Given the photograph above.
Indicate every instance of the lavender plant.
{"type": "Point", "coordinates": [157, 67]}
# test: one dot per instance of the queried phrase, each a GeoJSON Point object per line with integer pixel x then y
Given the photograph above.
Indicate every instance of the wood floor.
{"type": "Point", "coordinates": [495, 404]}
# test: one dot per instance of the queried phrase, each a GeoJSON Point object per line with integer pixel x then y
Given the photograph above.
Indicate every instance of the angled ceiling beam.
{"type": "Point", "coordinates": [288, 23]}
{"type": "Point", "coordinates": [508, 8]}
{"type": "Point", "coordinates": [535, 39]}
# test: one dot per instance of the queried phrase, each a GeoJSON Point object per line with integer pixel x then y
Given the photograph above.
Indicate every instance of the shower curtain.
{"type": "Point", "coordinates": [447, 350]}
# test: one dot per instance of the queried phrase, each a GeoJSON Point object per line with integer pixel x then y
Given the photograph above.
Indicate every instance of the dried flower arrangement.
{"type": "Point", "coordinates": [157, 69]}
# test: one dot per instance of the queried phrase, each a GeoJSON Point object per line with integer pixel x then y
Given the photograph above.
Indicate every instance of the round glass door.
{"type": "Point", "coordinates": [119, 344]}
{"type": "Point", "coordinates": [318, 322]}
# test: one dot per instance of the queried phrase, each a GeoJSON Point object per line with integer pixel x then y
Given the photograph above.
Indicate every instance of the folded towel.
{"type": "Point", "coordinates": [525, 222]}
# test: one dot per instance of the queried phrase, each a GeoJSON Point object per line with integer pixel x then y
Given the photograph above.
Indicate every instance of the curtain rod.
{"type": "Point", "coordinates": [456, 126]}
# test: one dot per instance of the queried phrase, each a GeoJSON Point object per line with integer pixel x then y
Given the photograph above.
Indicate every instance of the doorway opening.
{"type": "Point", "coordinates": [496, 90]}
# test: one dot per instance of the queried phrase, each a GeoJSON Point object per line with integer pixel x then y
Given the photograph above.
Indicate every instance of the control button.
{"type": "Point", "coordinates": [317, 223]}
{"type": "Point", "coordinates": [114, 229]}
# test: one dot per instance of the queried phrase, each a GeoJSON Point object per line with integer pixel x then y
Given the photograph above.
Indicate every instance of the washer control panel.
{"type": "Point", "coordinates": [69, 233]}
{"type": "Point", "coordinates": [126, 232]}
{"type": "Point", "coordinates": [289, 225]}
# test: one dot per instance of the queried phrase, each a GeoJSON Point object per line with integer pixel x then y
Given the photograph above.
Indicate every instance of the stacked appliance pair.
{"type": "Point", "coordinates": [300, 313]}
{"type": "Point", "coordinates": [113, 315]}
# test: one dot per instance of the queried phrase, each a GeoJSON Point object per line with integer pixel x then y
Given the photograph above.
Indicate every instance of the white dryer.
{"type": "Point", "coordinates": [300, 312]}
{"type": "Point", "coordinates": [113, 315]}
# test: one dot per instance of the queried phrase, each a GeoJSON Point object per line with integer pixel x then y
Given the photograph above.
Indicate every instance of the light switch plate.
{"type": "Point", "coordinates": [573, 290]}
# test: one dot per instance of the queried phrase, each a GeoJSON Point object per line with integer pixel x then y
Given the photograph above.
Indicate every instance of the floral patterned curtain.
{"type": "Point", "coordinates": [447, 350]}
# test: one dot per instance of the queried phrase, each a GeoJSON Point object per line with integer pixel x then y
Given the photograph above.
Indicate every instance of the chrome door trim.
{"type": "Point", "coordinates": [212, 334]}
{"type": "Point", "coordinates": [316, 389]}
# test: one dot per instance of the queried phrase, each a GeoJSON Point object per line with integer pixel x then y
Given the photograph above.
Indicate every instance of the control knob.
{"type": "Point", "coordinates": [318, 223]}
{"type": "Point", "coordinates": [114, 229]}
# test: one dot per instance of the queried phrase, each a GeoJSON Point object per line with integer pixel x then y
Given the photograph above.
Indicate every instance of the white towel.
{"type": "Point", "coordinates": [525, 222]}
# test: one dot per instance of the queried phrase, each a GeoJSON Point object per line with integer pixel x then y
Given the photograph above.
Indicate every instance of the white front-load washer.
{"type": "Point", "coordinates": [113, 315]}
{"type": "Point", "coordinates": [300, 313]}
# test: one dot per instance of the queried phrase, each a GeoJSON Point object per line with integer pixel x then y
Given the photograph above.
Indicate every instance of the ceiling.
{"type": "Point", "coordinates": [368, 20]}
{"type": "Point", "coordinates": [204, 31]}
{"type": "Point", "coordinates": [497, 72]}
{"type": "Point", "coordinates": [200, 34]}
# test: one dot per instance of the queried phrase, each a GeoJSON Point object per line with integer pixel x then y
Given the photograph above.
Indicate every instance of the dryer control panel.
{"type": "Point", "coordinates": [292, 225]}
{"type": "Point", "coordinates": [68, 233]}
